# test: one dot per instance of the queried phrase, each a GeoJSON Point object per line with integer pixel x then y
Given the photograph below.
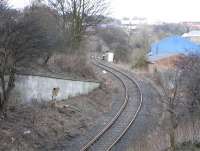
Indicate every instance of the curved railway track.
{"type": "Point", "coordinates": [118, 126]}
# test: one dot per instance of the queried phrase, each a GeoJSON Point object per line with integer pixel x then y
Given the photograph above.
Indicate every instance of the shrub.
{"type": "Point", "coordinates": [73, 64]}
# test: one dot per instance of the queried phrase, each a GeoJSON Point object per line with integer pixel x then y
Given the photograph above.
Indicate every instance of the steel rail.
{"type": "Point", "coordinates": [122, 108]}
{"type": "Point", "coordinates": [93, 140]}
{"type": "Point", "coordinates": [138, 109]}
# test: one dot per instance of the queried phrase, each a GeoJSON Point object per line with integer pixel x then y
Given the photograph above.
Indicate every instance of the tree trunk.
{"type": "Point", "coordinates": [6, 90]}
{"type": "Point", "coordinates": [1, 105]}
{"type": "Point", "coordinates": [172, 140]}
{"type": "Point", "coordinates": [3, 88]}
{"type": "Point", "coordinates": [173, 127]}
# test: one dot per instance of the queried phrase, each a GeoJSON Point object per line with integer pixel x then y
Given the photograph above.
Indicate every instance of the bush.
{"type": "Point", "coordinates": [117, 40]}
{"type": "Point", "coordinates": [190, 70]}
{"type": "Point", "coordinates": [188, 146]}
{"type": "Point", "coordinates": [141, 62]}
{"type": "Point", "coordinates": [72, 64]}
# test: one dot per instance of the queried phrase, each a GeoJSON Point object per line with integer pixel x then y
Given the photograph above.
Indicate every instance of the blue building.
{"type": "Point", "coordinates": [173, 45]}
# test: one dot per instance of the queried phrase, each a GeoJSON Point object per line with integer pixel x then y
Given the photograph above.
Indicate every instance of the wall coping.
{"type": "Point", "coordinates": [58, 77]}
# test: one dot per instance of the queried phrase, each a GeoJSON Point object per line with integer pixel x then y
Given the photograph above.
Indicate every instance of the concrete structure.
{"type": "Point", "coordinates": [111, 24]}
{"type": "Point", "coordinates": [130, 24]}
{"type": "Point", "coordinates": [192, 25]}
{"type": "Point", "coordinates": [28, 88]}
{"type": "Point", "coordinates": [133, 21]}
{"type": "Point", "coordinates": [109, 56]}
{"type": "Point", "coordinates": [193, 35]}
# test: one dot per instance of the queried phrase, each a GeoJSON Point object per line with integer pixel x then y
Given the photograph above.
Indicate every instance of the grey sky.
{"type": "Point", "coordinates": [153, 10]}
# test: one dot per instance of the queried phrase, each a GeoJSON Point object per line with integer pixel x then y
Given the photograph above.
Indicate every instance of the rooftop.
{"type": "Point", "coordinates": [172, 45]}
{"type": "Point", "coordinates": [193, 33]}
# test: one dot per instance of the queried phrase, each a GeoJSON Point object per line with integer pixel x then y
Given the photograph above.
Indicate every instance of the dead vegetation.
{"type": "Point", "coordinates": [158, 140]}
{"type": "Point", "coordinates": [181, 129]}
{"type": "Point", "coordinates": [37, 126]}
{"type": "Point", "coordinates": [42, 126]}
{"type": "Point", "coordinates": [186, 133]}
{"type": "Point", "coordinates": [76, 64]}
{"type": "Point", "coordinates": [188, 146]}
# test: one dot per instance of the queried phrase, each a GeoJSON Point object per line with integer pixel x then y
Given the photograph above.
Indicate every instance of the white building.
{"type": "Point", "coordinates": [130, 24]}
{"type": "Point", "coordinates": [193, 35]}
{"type": "Point", "coordinates": [109, 56]}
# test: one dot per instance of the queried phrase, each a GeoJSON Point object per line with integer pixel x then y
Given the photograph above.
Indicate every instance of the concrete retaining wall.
{"type": "Point", "coordinates": [28, 88]}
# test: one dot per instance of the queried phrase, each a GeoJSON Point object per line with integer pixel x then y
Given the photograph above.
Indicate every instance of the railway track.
{"type": "Point", "coordinates": [108, 137]}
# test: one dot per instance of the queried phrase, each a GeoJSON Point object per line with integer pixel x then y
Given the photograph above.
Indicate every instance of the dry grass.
{"type": "Point", "coordinates": [73, 64]}
{"type": "Point", "coordinates": [41, 126]}
{"type": "Point", "coordinates": [188, 146]}
{"type": "Point", "coordinates": [188, 129]}
{"type": "Point", "coordinates": [31, 127]}
{"type": "Point", "coordinates": [158, 140]}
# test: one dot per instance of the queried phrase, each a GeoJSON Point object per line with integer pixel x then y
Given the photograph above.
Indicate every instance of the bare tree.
{"type": "Point", "coordinates": [170, 85]}
{"type": "Point", "coordinates": [190, 71]}
{"type": "Point", "coordinates": [75, 16]}
{"type": "Point", "coordinates": [181, 93]}
{"type": "Point", "coordinates": [117, 40]}
{"type": "Point", "coordinates": [44, 16]}
{"type": "Point", "coordinates": [21, 41]}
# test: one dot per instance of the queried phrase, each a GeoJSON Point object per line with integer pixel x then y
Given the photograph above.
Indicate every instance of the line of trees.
{"type": "Point", "coordinates": [181, 96]}
{"type": "Point", "coordinates": [190, 71]}
{"type": "Point", "coordinates": [38, 31]}
{"type": "Point", "coordinates": [75, 16]}
{"type": "Point", "coordinates": [170, 84]}
{"type": "Point", "coordinates": [21, 42]}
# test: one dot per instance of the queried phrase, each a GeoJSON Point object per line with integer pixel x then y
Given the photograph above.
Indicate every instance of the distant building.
{"type": "Point", "coordinates": [133, 23]}
{"type": "Point", "coordinates": [165, 53]}
{"type": "Point", "coordinates": [192, 25]}
{"type": "Point", "coordinates": [108, 56]}
{"type": "Point", "coordinates": [193, 35]}
{"type": "Point", "coordinates": [110, 24]}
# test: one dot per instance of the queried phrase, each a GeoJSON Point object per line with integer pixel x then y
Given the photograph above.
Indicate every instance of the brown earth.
{"type": "Point", "coordinates": [41, 126]}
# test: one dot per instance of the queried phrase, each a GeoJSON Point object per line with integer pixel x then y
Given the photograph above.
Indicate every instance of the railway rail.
{"type": "Point", "coordinates": [118, 126]}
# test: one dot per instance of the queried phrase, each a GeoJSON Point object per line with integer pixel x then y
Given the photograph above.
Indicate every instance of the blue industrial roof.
{"type": "Point", "coordinates": [171, 46]}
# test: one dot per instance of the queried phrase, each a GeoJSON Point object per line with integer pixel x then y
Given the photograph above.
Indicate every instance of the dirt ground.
{"type": "Point", "coordinates": [41, 126]}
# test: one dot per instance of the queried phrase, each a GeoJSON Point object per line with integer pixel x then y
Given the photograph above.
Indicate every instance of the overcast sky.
{"type": "Point", "coordinates": [153, 10]}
